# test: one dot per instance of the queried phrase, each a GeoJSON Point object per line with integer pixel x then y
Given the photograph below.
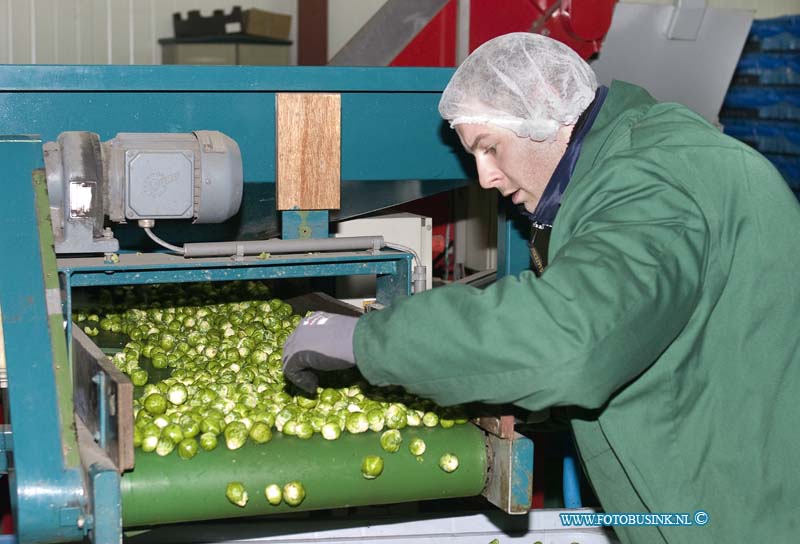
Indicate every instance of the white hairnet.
{"type": "Point", "coordinates": [524, 82]}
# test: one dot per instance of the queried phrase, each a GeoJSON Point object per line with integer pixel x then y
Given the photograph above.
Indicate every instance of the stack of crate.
{"type": "Point", "coordinates": [762, 106]}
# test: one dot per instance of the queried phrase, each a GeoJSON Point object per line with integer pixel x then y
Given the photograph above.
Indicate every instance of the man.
{"type": "Point", "coordinates": [665, 318]}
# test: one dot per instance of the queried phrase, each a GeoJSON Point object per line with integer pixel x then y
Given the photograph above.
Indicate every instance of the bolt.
{"type": "Point", "coordinates": [81, 522]}
{"type": "Point", "coordinates": [108, 234]}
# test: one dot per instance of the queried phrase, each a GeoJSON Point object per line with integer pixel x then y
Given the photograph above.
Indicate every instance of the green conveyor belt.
{"type": "Point", "coordinates": [169, 489]}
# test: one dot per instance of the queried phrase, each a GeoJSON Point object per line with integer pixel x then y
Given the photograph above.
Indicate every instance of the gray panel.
{"type": "Point", "coordinates": [220, 187]}
{"type": "Point", "coordinates": [387, 32]}
{"type": "Point", "coordinates": [695, 73]}
{"type": "Point", "coordinates": [160, 184]}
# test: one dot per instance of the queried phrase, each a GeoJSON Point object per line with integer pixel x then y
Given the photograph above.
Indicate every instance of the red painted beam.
{"type": "Point", "coordinates": [435, 45]}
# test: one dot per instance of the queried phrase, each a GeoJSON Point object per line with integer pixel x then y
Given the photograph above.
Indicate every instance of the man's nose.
{"type": "Point", "coordinates": [488, 176]}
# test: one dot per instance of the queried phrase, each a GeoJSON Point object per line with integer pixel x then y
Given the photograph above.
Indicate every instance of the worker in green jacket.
{"type": "Point", "coordinates": [667, 317]}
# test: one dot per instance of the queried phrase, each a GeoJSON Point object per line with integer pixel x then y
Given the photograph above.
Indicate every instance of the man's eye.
{"type": "Point", "coordinates": [490, 150]}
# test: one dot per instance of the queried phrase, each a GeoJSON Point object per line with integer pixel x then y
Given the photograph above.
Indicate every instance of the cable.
{"type": "Point", "coordinates": [162, 243]}
{"type": "Point", "coordinates": [419, 276]}
{"type": "Point", "coordinates": [407, 249]}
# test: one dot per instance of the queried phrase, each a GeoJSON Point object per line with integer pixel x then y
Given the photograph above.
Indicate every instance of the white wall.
{"type": "Point", "coordinates": [345, 17]}
{"type": "Point", "coordinates": [763, 8]}
{"type": "Point", "coordinates": [104, 31]}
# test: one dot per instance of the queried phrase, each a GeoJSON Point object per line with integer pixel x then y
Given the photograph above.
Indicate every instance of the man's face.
{"type": "Point", "coordinates": [517, 167]}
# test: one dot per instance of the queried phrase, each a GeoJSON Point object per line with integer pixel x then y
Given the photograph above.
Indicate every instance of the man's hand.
{"type": "Point", "coordinates": [321, 341]}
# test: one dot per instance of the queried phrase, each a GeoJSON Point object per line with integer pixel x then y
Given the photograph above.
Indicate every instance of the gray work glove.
{"type": "Point", "coordinates": [321, 342]}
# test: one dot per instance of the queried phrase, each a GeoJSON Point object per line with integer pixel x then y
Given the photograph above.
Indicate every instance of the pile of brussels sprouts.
{"type": "Point", "coordinates": [214, 354]}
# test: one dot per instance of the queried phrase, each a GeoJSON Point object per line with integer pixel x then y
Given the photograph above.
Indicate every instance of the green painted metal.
{"type": "Point", "coordinates": [44, 475]}
{"type": "Point", "coordinates": [105, 527]}
{"type": "Point", "coordinates": [304, 224]}
{"type": "Point", "coordinates": [169, 489]}
{"type": "Point", "coordinates": [61, 366]}
{"type": "Point", "coordinates": [222, 78]}
{"type": "Point", "coordinates": [386, 112]}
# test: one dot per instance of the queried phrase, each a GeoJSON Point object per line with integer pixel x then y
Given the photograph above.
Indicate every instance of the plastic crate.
{"type": "Point", "coordinates": [766, 136]}
{"type": "Point", "coordinates": [776, 34]}
{"type": "Point", "coordinates": [768, 69]}
{"type": "Point", "coordinates": [764, 102]}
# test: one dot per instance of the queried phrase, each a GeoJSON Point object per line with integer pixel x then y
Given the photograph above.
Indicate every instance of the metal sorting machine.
{"type": "Point", "coordinates": [233, 163]}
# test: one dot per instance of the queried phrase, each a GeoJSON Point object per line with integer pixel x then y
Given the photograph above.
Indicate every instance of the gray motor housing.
{"type": "Point", "coordinates": [138, 177]}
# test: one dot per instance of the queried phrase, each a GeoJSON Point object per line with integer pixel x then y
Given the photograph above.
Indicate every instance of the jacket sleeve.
{"type": "Point", "coordinates": [612, 299]}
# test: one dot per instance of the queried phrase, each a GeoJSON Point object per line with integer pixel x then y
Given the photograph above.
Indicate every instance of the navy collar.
{"type": "Point", "coordinates": [545, 212]}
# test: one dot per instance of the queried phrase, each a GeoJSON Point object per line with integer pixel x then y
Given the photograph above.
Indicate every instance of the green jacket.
{"type": "Point", "coordinates": [669, 312]}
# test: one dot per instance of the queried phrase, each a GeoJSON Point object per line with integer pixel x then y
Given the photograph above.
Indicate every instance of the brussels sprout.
{"type": "Point", "coordinates": [413, 419]}
{"type": "Point", "coordinates": [376, 420]}
{"type": "Point", "coordinates": [396, 416]}
{"type": "Point", "coordinates": [173, 432]}
{"type": "Point", "coordinates": [160, 421]}
{"type": "Point", "coordinates": [212, 425]}
{"type": "Point", "coordinates": [330, 431]}
{"type": "Point", "coordinates": [149, 428]}
{"type": "Point", "coordinates": [304, 430]}
{"type": "Point", "coordinates": [417, 446]}
{"type": "Point", "coordinates": [448, 462]}
{"type": "Point", "coordinates": [208, 441]}
{"type": "Point", "coordinates": [159, 360]}
{"type": "Point", "coordinates": [190, 427]}
{"type": "Point", "coordinates": [139, 377]}
{"type": "Point", "coordinates": [430, 419]}
{"type": "Point", "coordinates": [155, 404]}
{"type": "Point", "coordinates": [236, 493]}
{"type": "Point", "coordinates": [273, 494]}
{"type": "Point", "coordinates": [391, 440]}
{"type": "Point", "coordinates": [294, 493]}
{"type": "Point", "coordinates": [371, 467]}
{"type": "Point", "coordinates": [260, 433]}
{"type": "Point", "coordinates": [164, 446]}
{"type": "Point", "coordinates": [225, 371]}
{"type": "Point", "coordinates": [177, 394]}
{"type": "Point", "coordinates": [357, 422]}
{"type": "Point", "coordinates": [235, 435]}
{"type": "Point", "coordinates": [149, 443]}
{"type": "Point", "coordinates": [187, 448]}
{"type": "Point", "coordinates": [305, 402]}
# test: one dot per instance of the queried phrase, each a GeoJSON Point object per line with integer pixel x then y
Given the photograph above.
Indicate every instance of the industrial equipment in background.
{"type": "Point", "coordinates": [762, 105]}
{"type": "Point", "coordinates": [137, 177]}
{"type": "Point", "coordinates": [241, 172]}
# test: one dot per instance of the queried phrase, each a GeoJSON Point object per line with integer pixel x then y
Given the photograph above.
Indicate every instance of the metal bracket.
{"type": "Point", "coordinates": [103, 399]}
{"type": "Point", "coordinates": [687, 17]}
{"type": "Point", "coordinates": [6, 447]}
{"type": "Point", "coordinates": [510, 484]}
{"type": "Point", "coordinates": [3, 371]}
{"type": "Point", "coordinates": [103, 523]}
{"type": "Point", "coordinates": [500, 426]}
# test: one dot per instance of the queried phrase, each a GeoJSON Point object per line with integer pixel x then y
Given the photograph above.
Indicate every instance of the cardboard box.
{"type": "Point", "coordinates": [251, 22]}
{"type": "Point", "coordinates": [258, 22]}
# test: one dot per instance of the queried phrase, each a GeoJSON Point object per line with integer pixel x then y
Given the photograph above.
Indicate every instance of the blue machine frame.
{"type": "Point", "coordinates": [391, 131]}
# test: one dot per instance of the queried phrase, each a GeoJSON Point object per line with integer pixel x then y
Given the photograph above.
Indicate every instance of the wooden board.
{"type": "Point", "coordinates": [308, 151]}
